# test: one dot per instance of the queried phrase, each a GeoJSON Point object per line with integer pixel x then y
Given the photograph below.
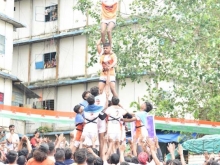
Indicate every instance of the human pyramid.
{"type": "Point", "coordinates": [100, 125]}
{"type": "Point", "coordinates": [101, 122]}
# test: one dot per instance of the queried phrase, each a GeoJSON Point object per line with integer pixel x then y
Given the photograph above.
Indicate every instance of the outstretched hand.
{"type": "Point", "coordinates": [151, 144]}
{"type": "Point", "coordinates": [98, 42]}
{"type": "Point", "coordinates": [180, 149]}
{"type": "Point", "coordinates": [171, 147]}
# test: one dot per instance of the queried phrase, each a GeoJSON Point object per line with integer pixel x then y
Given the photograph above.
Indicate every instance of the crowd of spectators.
{"type": "Point", "coordinates": [43, 151]}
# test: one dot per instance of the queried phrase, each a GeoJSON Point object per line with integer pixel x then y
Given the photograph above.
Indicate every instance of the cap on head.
{"type": "Point", "coordinates": [143, 158]}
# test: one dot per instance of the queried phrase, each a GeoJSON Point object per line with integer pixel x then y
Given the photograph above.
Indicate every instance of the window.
{"type": "Point", "coordinates": [44, 61]}
{"type": "Point", "coordinates": [46, 104]}
{"type": "Point", "coordinates": [51, 13]}
{"type": "Point", "coordinates": [2, 44]}
{"type": "Point", "coordinates": [50, 60]}
{"type": "Point", "coordinates": [17, 98]}
{"type": "Point", "coordinates": [1, 98]}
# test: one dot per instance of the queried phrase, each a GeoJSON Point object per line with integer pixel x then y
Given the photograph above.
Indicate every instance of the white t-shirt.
{"type": "Point", "coordinates": [113, 112]}
{"type": "Point", "coordinates": [91, 126]}
{"type": "Point", "coordinates": [15, 138]}
{"type": "Point", "coordinates": [100, 100]}
{"type": "Point", "coordinates": [52, 158]}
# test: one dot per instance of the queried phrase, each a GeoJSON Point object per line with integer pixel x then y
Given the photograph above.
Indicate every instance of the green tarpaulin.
{"type": "Point", "coordinates": [209, 143]}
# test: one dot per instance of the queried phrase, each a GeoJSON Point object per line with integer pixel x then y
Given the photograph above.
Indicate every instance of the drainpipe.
{"type": "Point", "coordinates": [58, 41]}
{"type": "Point", "coordinates": [86, 52]}
{"type": "Point", "coordinates": [30, 45]}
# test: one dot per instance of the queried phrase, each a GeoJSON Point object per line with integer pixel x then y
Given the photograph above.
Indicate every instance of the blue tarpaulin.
{"type": "Point", "coordinates": [167, 138]}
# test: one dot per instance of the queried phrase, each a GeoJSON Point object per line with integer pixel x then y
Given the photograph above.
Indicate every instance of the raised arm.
{"type": "Point", "coordinates": [28, 143]}
{"type": "Point", "coordinates": [159, 153]}
{"type": "Point", "coordinates": [152, 147]}
{"type": "Point", "coordinates": [121, 151]}
{"type": "Point", "coordinates": [180, 151]}
{"type": "Point", "coordinates": [171, 149]}
{"type": "Point", "coordinates": [98, 46]}
{"type": "Point", "coordinates": [130, 120]}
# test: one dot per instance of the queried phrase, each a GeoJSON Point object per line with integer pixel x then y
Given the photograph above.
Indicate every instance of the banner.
{"type": "Point", "coordinates": [150, 127]}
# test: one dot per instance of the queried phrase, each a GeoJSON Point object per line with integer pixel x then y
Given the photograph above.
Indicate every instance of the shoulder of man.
{"type": "Point", "coordinates": [113, 56]}
{"type": "Point", "coordinates": [30, 161]}
{"type": "Point", "coordinates": [8, 134]}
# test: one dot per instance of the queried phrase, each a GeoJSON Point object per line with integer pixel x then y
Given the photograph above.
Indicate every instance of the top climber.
{"type": "Point", "coordinates": [108, 18]}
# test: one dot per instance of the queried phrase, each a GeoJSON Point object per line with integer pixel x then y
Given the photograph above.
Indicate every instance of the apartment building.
{"type": "Point", "coordinates": [12, 91]}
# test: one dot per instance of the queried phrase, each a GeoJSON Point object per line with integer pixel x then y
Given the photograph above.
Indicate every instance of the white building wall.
{"type": "Point", "coordinates": [6, 59]}
{"type": "Point", "coordinates": [7, 7]}
{"type": "Point", "coordinates": [6, 88]}
{"type": "Point", "coordinates": [20, 14]}
{"type": "Point", "coordinates": [20, 62]}
{"type": "Point", "coordinates": [72, 57]}
{"type": "Point", "coordinates": [133, 91]}
{"type": "Point", "coordinates": [72, 19]}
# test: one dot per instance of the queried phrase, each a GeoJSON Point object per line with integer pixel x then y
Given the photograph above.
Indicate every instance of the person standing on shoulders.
{"type": "Point", "coordinates": [108, 19]}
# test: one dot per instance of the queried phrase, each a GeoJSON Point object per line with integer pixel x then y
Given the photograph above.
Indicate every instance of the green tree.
{"type": "Point", "coordinates": [169, 41]}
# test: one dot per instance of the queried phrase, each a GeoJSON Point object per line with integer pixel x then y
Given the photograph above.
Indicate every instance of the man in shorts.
{"type": "Point", "coordinates": [114, 125]}
{"type": "Point", "coordinates": [108, 61]}
{"type": "Point", "coordinates": [91, 115]}
{"type": "Point", "coordinates": [108, 18]}
{"type": "Point", "coordinates": [100, 100]}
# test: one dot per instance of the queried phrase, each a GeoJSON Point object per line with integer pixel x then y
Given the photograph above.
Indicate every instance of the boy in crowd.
{"type": "Point", "coordinates": [79, 124]}
{"type": "Point", "coordinates": [85, 95]}
{"type": "Point", "coordinates": [140, 120]}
